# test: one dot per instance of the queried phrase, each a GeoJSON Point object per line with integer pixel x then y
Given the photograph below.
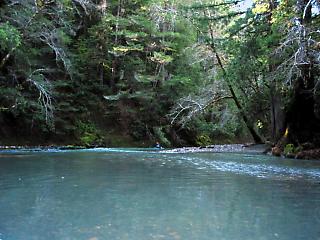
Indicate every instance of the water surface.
{"type": "Point", "coordinates": [142, 195]}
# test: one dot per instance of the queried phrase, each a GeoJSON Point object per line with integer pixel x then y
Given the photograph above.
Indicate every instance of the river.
{"type": "Point", "coordinates": [110, 194]}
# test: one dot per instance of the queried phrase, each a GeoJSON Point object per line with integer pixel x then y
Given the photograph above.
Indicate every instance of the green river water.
{"type": "Point", "coordinates": [110, 194]}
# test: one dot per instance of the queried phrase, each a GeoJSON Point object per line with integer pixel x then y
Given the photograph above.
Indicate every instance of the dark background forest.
{"type": "Point", "coordinates": [133, 72]}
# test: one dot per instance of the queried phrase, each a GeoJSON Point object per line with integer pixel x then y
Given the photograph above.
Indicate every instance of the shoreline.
{"type": "Point", "coordinates": [221, 148]}
{"type": "Point", "coordinates": [311, 154]}
{"type": "Point", "coordinates": [260, 148]}
{"type": "Point", "coordinates": [67, 147]}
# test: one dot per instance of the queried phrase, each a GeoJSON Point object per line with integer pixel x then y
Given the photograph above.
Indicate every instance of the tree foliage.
{"type": "Point", "coordinates": [176, 70]}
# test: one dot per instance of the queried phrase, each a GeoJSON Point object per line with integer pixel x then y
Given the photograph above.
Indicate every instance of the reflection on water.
{"type": "Point", "coordinates": [137, 195]}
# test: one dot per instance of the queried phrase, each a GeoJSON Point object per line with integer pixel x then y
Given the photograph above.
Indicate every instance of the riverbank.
{"type": "Point", "coordinates": [260, 148]}
{"type": "Point", "coordinates": [253, 148]}
{"type": "Point", "coordinates": [210, 148]}
{"type": "Point", "coordinates": [312, 154]}
{"type": "Point", "coordinates": [43, 148]}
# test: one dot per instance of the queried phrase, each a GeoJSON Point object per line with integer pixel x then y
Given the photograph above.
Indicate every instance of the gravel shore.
{"type": "Point", "coordinates": [252, 148]}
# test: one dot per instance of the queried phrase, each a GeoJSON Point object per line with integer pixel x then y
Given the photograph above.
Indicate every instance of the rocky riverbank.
{"type": "Point", "coordinates": [230, 148]}
{"type": "Point", "coordinates": [250, 148]}
{"type": "Point", "coordinates": [253, 148]}
{"type": "Point", "coordinates": [261, 148]}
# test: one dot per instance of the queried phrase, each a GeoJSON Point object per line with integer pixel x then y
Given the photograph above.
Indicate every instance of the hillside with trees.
{"type": "Point", "coordinates": [129, 73]}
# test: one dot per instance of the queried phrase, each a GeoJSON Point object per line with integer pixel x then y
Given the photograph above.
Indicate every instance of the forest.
{"type": "Point", "coordinates": [184, 73]}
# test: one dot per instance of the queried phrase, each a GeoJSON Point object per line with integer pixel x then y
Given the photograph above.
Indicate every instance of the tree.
{"type": "Point", "coordinates": [210, 20]}
{"type": "Point", "coordinates": [298, 56]}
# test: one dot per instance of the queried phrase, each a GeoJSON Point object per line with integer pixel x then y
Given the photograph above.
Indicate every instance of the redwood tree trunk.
{"type": "Point", "coordinates": [277, 115]}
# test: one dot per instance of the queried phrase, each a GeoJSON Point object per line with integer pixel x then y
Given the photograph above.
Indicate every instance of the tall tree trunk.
{"type": "Point", "coordinates": [277, 114]}
{"type": "Point", "coordinates": [253, 132]}
{"type": "Point", "coordinates": [115, 60]}
{"type": "Point", "coordinates": [101, 70]}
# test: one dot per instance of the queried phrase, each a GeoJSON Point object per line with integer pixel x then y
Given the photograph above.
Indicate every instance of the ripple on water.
{"type": "Point", "coordinates": [250, 167]}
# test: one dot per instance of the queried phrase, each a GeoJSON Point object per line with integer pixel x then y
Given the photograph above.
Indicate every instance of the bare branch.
{"type": "Point", "coordinates": [299, 40]}
{"type": "Point", "coordinates": [51, 38]}
{"type": "Point", "coordinates": [45, 98]}
{"type": "Point", "coordinates": [191, 106]}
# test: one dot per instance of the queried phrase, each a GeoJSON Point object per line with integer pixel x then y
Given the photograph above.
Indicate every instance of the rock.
{"type": "Point", "coordinates": [290, 155]}
{"type": "Point", "coordinates": [307, 146]}
{"type": "Point", "coordinates": [309, 154]}
{"type": "Point", "coordinates": [276, 151]}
